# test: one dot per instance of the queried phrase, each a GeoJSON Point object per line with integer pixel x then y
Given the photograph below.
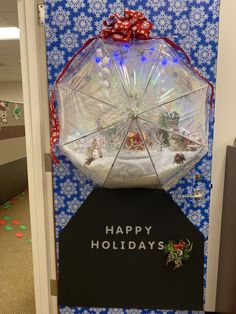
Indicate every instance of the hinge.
{"type": "Point", "coordinates": [41, 14]}
{"type": "Point", "coordinates": [48, 162]}
{"type": "Point", "coordinates": [53, 287]}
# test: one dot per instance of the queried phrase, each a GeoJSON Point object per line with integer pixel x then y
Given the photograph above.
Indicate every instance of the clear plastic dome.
{"type": "Point", "coordinates": [132, 114]}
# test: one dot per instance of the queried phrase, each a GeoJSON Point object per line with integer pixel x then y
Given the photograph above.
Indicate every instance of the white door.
{"type": "Point", "coordinates": [37, 139]}
{"type": "Point", "coordinates": [35, 92]}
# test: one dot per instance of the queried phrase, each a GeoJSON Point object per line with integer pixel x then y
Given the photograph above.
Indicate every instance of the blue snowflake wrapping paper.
{"type": "Point", "coordinates": [192, 24]}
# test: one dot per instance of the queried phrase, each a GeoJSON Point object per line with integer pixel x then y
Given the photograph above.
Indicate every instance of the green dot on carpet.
{"type": "Point", "coordinates": [23, 227]}
{"type": "Point", "coordinates": [8, 228]}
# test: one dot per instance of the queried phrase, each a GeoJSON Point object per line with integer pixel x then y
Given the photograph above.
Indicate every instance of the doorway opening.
{"type": "Point", "coordinates": [16, 265]}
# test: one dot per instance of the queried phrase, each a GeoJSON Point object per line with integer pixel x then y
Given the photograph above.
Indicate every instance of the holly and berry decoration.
{"type": "Point", "coordinates": [177, 252]}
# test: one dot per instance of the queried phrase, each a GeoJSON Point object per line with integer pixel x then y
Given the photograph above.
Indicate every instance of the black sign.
{"type": "Point", "coordinates": [112, 253]}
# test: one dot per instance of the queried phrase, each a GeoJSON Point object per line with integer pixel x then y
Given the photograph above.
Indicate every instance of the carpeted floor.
{"type": "Point", "coordinates": [16, 268]}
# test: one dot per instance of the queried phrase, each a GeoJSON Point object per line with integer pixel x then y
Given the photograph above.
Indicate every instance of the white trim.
{"type": "Point", "coordinates": [34, 80]}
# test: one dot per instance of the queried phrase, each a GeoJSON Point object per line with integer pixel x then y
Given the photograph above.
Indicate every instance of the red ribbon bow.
{"type": "Point", "coordinates": [133, 25]}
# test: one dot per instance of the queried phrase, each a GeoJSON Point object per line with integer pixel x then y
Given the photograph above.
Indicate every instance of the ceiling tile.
{"type": "Point", "coordinates": [8, 6]}
{"type": "Point", "coordinates": [11, 18]}
{"type": "Point", "coordinates": [4, 22]}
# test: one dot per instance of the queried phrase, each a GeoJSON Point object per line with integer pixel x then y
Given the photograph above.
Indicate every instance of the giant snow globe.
{"type": "Point", "coordinates": [132, 114]}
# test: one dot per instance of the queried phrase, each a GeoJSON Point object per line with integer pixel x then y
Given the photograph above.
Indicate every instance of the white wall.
{"type": "Point", "coordinates": [225, 133]}
{"type": "Point", "coordinates": [14, 148]}
{"type": "Point", "coordinates": [11, 91]}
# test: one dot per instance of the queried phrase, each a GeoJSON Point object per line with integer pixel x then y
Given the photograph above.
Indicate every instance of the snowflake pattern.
{"type": "Point", "coordinates": [97, 7]}
{"type": "Point", "coordinates": [163, 21]}
{"type": "Point", "coordinates": [54, 2]}
{"type": "Point", "coordinates": [85, 311]}
{"type": "Point", "coordinates": [96, 310]}
{"type": "Point", "coordinates": [76, 21]}
{"type": "Point", "coordinates": [155, 4]}
{"type": "Point", "coordinates": [202, 1]}
{"type": "Point", "coordinates": [83, 24]}
{"type": "Point", "coordinates": [62, 219]}
{"type": "Point", "coordinates": [98, 25]}
{"type": "Point", "coordinates": [115, 311]}
{"type": "Point", "coordinates": [195, 216]}
{"type": "Point", "coordinates": [204, 54]}
{"type": "Point", "coordinates": [67, 310]}
{"type": "Point", "coordinates": [68, 188]}
{"type": "Point", "coordinates": [117, 7]}
{"type": "Point", "coordinates": [198, 16]}
{"type": "Point", "coordinates": [182, 26]}
{"type": "Point", "coordinates": [75, 5]}
{"type": "Point", "coordinates": [133, 3]}
{"type": "Point", "coordinates": [61, 18]}
{"type": "Point", "coordinates": [178, 6]}
{"type": "Point", "coordinates": [85, 191]}
{"type": "Point", "coordinates": [190, 42]}
{"type": "Point", "coordinates": [69, 41]}
{"type": "Point", "coordinates": [204, 228]}
{"type": "Point", "coordinates": [62, 170]}
{"type": "Point", "coordinates": [133, 311]}
{"type": "Point", "coordinates": [56, 57]}
{"type": "Point", "coordinates": [51, 35]}
{"type": "Point", "coordinates": [214, 8]}
{"type": "Point", "coordinates": [73, 205]}
{"type": "Point", "coordinates": [211, 32]}
{"type": "Point", "coordinates": [59, 201]}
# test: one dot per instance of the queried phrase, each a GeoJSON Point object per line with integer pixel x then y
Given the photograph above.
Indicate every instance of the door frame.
{"type": "Point", "coordinates": [224, 134]}
{"type": "Point", "coordinates": [35, 94]}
